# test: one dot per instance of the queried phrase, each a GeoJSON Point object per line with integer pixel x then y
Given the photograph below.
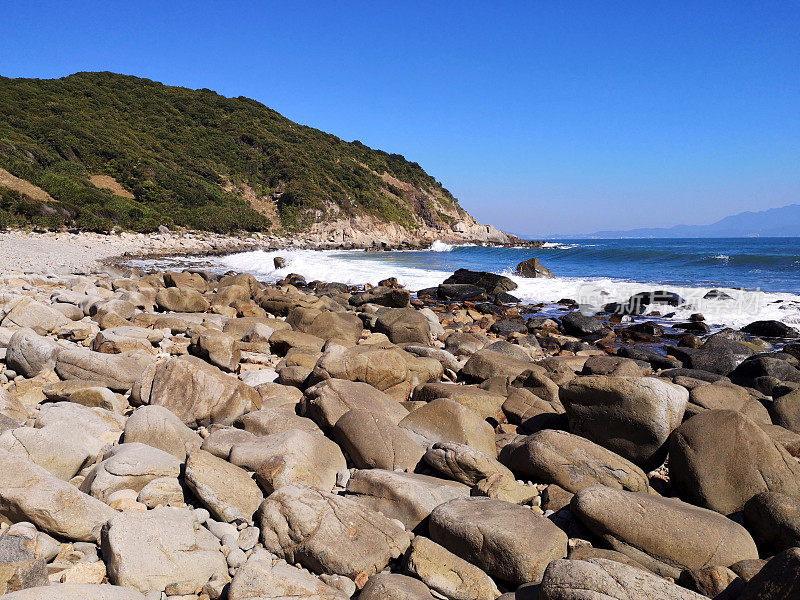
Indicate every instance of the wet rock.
{"type": "Point", "coordinates": [533, 268]}
{"type": "Point", "coordinates": [771, 329]}
{"type": "Point", "coordinates": [490, 282]}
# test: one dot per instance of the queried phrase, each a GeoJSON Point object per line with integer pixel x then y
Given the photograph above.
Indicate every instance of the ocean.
{"type": "Point", "coordinates": [761, 275]}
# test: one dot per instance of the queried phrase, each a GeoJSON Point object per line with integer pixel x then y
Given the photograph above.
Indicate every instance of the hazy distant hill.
{"type": "Point", "coordinates": [775, 222]}
{"type": "Point", "coordinates": [94, 150]}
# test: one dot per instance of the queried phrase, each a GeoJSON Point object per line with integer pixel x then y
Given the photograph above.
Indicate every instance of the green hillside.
{"type": "Point", "coordinates": [191, 158]}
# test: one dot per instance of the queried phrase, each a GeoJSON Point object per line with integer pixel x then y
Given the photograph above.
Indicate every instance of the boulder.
{"type": "Point", "coordinates": [262, 578]}
{"type": "Point", "coordinates": [448, 574]}
{"type": "Point", "coordinates": [30, 493]}
{"type": "Point", "coordinates": [404, 326]}
{"type": "Point", "coordinates": [76, 591]}
{"type": "Point", "coordinates": [25, 312]}
{"type": "Point", "coordinates": [327, 533]}
{"type": "Point", "coordinates": [632, 416]}
{"type": "Point", "coordinates": [572, 462]}
{"type": "Point", "coordinates": [490, 282]}
{"type": "Point", "coordinates": [771, 329]}
{"type": "Point", "coordinates": [382, 296]}
{"type": "Point", "coordinates": [326, 402]}
{"type": "Point", "coordinates": [181, 299]}
{"type": "Point", "coordinates": [597, 578]}
{"type": "Point", "coordinates": [444, 420]}
{"type": "Point", "coordinates": [464, 463]}
{"type": "Point", "coordinates": [326, 324]}
{"type": "Point", "coordinates": [102, 424]}
{"type": "Point", "coordinates": [576, 323]}
{"type": "Point", "coordinates": [62, 448]}
{"type": "Point", "coordinates": [29, 353]}
{"type": "Point", "coordinates": [267, 421]}
{"type": "Point", "coordinates": [160, 428]}
{"type": "Point", "coordinates": [723, 395]}
{"type": "Point", "coordinates": [161, 550]}
{"type": "Point", "coordinates": [219, 349]}
{"type": "Point", "coordinates": [390, 370]}
{"type": "Point", "coordinates": [374, 442]}
{"type": "Point", "coordinates": [198, 393]}
{"type": "Point", "coordinates": [758, 366]}
{"type": "Point", "coordinates": [488, 363]}
{"type": "Point", "coordinates": [509, 542]}
{"type": "Point", "coordinates": [227, 491]}
{"type": "Point", "coordinates": [487, 404]}
{"type": "Point", "coordinates": [392, 586]}
{"type": "Point", "coordinates": [779, 579]}
{"type": "Point", "coordinates": [407, 497]}
{"type": "Point", "coordinates": [118, 372]}
{"type": "Point", "coordinates": [20, 567]}
{"type": "Point", "coordinates": [129, 466]}
{"type": "Point", "coordinates": [663, 534]}
{"type": "Point", "coordinates": [287, 339]}
{"type": "Point", "coordinates": [773, 519]}
{"type": "Point", "coordinates": [720, 459]}
{"type": "Point", "coordinates": [533, 268]}
{"type": "Point", "coordinates": [785, 411]}
{"type": "Point", "coordinates": [291, 456]}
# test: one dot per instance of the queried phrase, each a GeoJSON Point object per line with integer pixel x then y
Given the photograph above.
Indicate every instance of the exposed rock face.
{"type": "Point", "coordinates": [664, 534]}
{"type": "Point", "coordinates": [160, 428]}
{"type": "Point", "coordinates": [509, 542]}
{"type": "Point", "coordinates": [328, 533]}
{"type": "Point", "coordinates": [227, 491]}
{"type": "Point", "coordinates": [444, 420]}
{"type": "Point", "coordinates": [118, 372]}
{"type": "Point", "coordinates": [391, 586]}
{"type": "Point", "coordinates": [374, 442]}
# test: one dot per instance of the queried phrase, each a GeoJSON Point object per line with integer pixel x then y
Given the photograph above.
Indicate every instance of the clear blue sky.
{"type": "Point", "coordinates": [541, 117]}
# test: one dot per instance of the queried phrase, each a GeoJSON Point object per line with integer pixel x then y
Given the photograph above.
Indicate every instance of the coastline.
{"type": "Point", "coordinates": [66, 252]}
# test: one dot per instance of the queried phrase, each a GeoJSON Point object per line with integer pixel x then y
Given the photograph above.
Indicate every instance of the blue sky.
{"type": "Point", "coordinates": [541, 117]}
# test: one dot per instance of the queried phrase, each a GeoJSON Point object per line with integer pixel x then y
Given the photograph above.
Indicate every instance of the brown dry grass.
{"type": "Point", "coordinates": [24, 187]}
{"type": "Point", "coordinates": [107, 182]}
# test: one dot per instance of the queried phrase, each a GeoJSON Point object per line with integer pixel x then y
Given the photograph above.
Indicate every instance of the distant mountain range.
{"type": "Point", "coordinates": [775, 222]}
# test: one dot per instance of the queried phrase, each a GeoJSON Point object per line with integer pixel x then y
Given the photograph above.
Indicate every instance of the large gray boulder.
{"type": "Point", "coordinates": [118, 372]}
{"type": "Point", "coordinates": [445, 420]}
{"type": "Point", "coordinates": [464, 463]}
{"type": "Point", "coordinates": [327, 533]}
{"type": "Point", "coordinates": [197, 392]}
{"type": "Point", "coordinates": [29, 353]}
{"type": "Point", "coordinates": [76, 591]}
{"type": "Point", "coordinates": [26, 312]}
{"type": "Point", "coordinates": [664, 534]}
{"type": "Point", "coordinates": [326, 402]}
{"type": "Point", "coordinates": [161, 550]}
{"type": "Point", "coordinates": [374, 442]}
{"type": "Point", "coordinates": [573, 462]}
{"type": "Point", "coordinates": [30, 493]}
{"type": "Point", "coordinates": [227, 491]}
{"type": "Point", "coordinates": [183, 299]}
{"type": "Point", "coordinates": [291, 456]}
{"type": "Point", "coordinates": [720, 459]}
{"type": "Point", "coordinates": [160, 428]}
{"type": "Point", "coordinates": [779, 579]}
{"type": "Point", "coordinates": [774, 521]}
{"type": "Point", "coordinates": [407, 497]}
{"type": "Point", "coordinates": [509, 542]}
{"type": "Point", "coordinates": [785, 411]}
{"type": "Point", "coordinates": [603, 579]}
{"type": "Point", "coordinates": [262, 578]}
{"type": "Point", "coordinates": [61, 447]}
{"type": "Point", "coordinates": [632, 416]}
{"type": "Point", "coordinates": [404, 326]}
{"type": "Point", "coordinates": [392, 586]}
{"type": "Point", "coordinates": [448, 574]}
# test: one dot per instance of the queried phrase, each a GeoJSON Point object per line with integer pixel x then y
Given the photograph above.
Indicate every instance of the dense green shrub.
{"type": "Point", "coordinates": [175, 148]}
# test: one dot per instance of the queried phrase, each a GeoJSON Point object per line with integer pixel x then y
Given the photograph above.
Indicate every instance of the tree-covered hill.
{"type": "Point", "coordinates": [190, 158]}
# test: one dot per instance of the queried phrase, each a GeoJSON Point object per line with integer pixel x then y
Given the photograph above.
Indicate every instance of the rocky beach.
{"type": "Point", "coordinates": [199, 435]}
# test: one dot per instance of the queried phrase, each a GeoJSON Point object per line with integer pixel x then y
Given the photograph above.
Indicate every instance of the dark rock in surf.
{"type": "Point", "coordinates": [491, 283]}
{"type": "Point", "coordinates": [533, 268]}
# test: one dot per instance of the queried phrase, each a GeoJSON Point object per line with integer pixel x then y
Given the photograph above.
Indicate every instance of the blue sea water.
{"type": "Point", "coordinates": [761, 275]}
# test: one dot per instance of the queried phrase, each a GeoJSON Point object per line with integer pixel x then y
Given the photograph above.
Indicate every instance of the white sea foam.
{"type": "Point", "coordinates": [439, 246]}
{"type": "Point", "coordinates": [557, 246]}
{"type": "Point", "coordinates": [357, 267]}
